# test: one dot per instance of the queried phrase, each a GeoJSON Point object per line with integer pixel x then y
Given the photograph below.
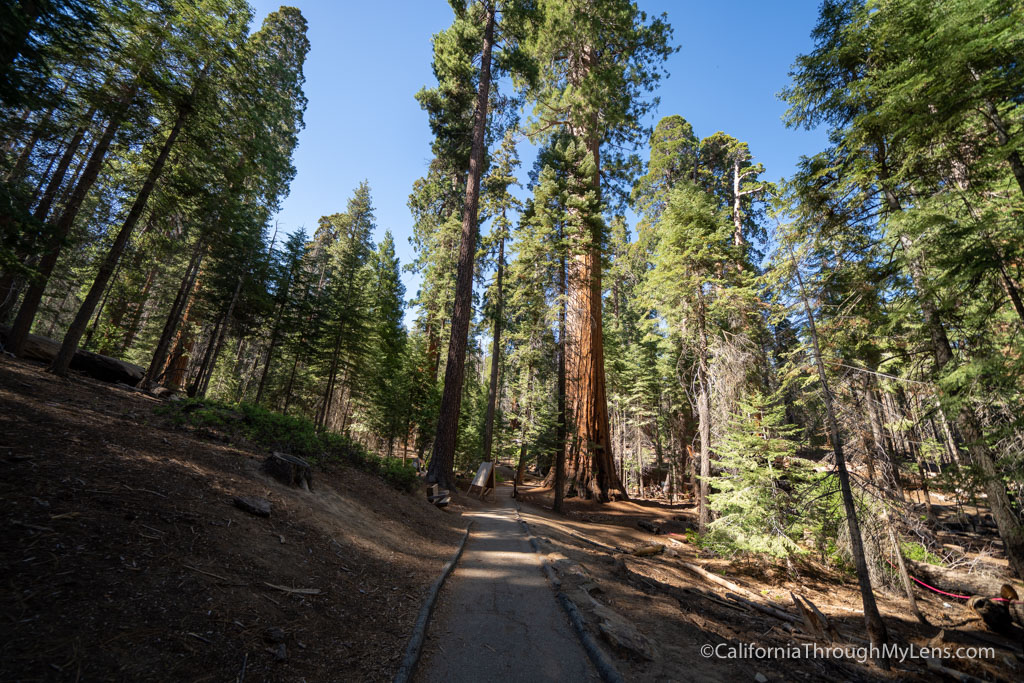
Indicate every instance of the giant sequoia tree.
{"type": "Point", "coordinates": [597, 61]}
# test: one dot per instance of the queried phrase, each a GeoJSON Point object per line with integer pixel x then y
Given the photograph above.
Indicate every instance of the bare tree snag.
{"type": "Point", "coordinates": [877, 632]}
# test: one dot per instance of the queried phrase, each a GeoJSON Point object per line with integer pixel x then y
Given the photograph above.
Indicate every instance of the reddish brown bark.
{"type": "Point", "coordinates": [590, 468]}
{"type": "Point", "coordinates": [442, 460]}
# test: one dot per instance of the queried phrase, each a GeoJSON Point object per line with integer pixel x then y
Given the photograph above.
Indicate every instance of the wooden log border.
{"type": "Point", "coordinates": [419, 632]}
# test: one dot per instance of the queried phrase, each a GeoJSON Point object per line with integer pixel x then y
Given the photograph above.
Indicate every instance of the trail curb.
{"type": "Point", "coordinates": [415, 647]}
{"type": "Point", "coordinates": [598, 657]}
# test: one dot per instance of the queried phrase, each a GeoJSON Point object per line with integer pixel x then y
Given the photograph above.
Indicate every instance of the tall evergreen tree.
{"type": "Point", "coordinates": [595, 64]}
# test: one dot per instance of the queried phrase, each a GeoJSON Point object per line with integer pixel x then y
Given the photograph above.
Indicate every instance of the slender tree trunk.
{"type": "Point", "coordinates": [99, 309]}
{"type": "Point", "coordinates": [908, 587]}
{"type": "Point", "coordinates": [492, 389]}
{"type": "Point", "coordinates": [737, 207]}
{"type": "Point", "coordinates": [442, 461]}
{"type": "Point", "coordinates": [270, 353]}
{"type": "Point", "coordinates": [10, 289]}
{"type": "Point", "coordinates": [560, 428]}
{"type": "Point", "coordinates": [1013, 159]}
{"type": "Point", "coordinates": [11, 142]}
{"type": "Point", "coordinates": [34, 295]}
{"type": "Point", "coordinates": [206, 371]}
{"type": "Point", "coordinates": [703, 415]}
{"type": "Point", "coordinates": [274, 335]}
{"type": "Point", "coordinates": [866, 435]}
{"type": "Point", "coordinates": [877, 633]}
{"type": "Point", "coordinates": [291, 383]}
{"type": "Point", "coordinates": [877, 433]}
{"type": "Point", "coordinates": [163, 346]}
{"type": "Point", "coordinates": [1010, 529]}
{"type": "Point", "coordinates": [325, 407]}
{"type": "Point", "coordinates": [898, 444]}
{"type": "Point", "coordinates": [77, 329]}
{"type": "Point", "coordinates": [20, 168]}
{"type": "Point", "coordinates": [135, 319]}
{"type": "Point", "coordinates": [42, 210]}
{"type": "Point", "coordinates": [527, 417]}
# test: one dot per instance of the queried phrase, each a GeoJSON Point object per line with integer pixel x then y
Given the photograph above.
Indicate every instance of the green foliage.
{"type": "Point", "coordinates": [759, 491]}
{"type": "Point", "coordinates": [276, 432]}
{"type": "Point", "coordinates": [912, 550]}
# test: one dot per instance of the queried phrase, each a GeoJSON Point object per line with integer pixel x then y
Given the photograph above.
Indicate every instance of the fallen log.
{"type": "Point", "coordinates": [958, 582]}
{"type": "Point", "coordinates": [938, 667]}
{"type": "Point", "coordinates": [648, 550]}
{"type": "Point", "coordinates": [715, 578]}
{"type": "Point", "coordinates": [770, 611]}
{"type": "Point", "coordinates": [751, 599]}
{"type": "Point", "coordinates": [103, 368]}
{"type": "Point", "coordinates": [683, 595]}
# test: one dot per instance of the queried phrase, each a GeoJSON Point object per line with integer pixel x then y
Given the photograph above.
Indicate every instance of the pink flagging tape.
{"type": "Point", "coordinates": [951, 595]}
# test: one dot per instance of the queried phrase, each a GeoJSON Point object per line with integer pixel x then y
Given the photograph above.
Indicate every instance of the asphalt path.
{"type": "Point", "coordinates": [498, 618]}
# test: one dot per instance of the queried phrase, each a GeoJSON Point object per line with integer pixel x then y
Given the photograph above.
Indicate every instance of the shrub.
{"type": "Point", "coordinates": [757, 494]}
{"type": "Point", "coordinates": [913, 550]}
{"type": "Point", "coordinates": [290, 434]}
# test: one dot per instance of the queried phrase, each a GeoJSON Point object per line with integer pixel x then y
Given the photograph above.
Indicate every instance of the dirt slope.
{"type": "Point", "coordinates": [124, 558]}
{"type": "Point", "coordinates": [679, 612]}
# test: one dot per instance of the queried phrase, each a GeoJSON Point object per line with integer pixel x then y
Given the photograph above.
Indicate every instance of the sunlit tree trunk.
{"type": "Point", "coordinates": [442, 461]}
{"type": "Point", "coordinates": [877, 632]}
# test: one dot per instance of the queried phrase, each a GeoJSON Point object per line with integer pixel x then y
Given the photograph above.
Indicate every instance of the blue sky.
{"type": "Point", "coordinates": [368, 59]}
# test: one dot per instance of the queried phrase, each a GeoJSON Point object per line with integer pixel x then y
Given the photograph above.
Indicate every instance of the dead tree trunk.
{"type": "Point", "coordinates": [703, 414]}
{"type": "Point", "coordinates": [877, 632]}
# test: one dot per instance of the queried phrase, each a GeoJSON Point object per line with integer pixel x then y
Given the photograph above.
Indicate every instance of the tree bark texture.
{"type": "Point", "coordinates": [492, 389]}
{"type": "Point", "coordinates": [113, 257]}
{"type": "Point", "coordinates": [34, 294]}
{"type": "Point", "coordinates": [156, 365]}
{"type": "Point", "coordinates": [442, 460]}
{"type": "Point", "coordinates": [703, 415]}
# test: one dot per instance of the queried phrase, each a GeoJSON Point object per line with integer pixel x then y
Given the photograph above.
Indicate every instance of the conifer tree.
{"type": "Point", "coordinates": [595, 64]}
{"type": "Point", "coordinates": [388, 386]}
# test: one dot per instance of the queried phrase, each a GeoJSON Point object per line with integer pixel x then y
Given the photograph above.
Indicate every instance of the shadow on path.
{"type": "Point", "coordinates": [498, 619]}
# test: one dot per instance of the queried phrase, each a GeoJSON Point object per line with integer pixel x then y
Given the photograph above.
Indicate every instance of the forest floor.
{"type": "Point", "coordinates": [124, 559]}
{"type": "Point", "coordinates": [679, 614]}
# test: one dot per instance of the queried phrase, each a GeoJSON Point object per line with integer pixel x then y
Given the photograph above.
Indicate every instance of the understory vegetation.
{"type": "Point", "coordinates": [272, 431]}
{"type": "Point", "coordinates": [829, 365]}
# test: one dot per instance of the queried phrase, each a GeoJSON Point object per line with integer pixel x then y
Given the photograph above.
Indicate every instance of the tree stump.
{"type": "Point", "coordinates": [290, 470]}
{"type": "Point", "coordinates": [995, 614]}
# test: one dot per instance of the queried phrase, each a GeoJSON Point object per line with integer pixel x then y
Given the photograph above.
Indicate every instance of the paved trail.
{"type": "Point", "coordinates": [498, 619]}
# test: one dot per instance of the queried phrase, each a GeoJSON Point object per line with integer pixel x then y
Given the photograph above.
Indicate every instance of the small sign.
{"type": "Point", "coordinates": [484, 479]}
